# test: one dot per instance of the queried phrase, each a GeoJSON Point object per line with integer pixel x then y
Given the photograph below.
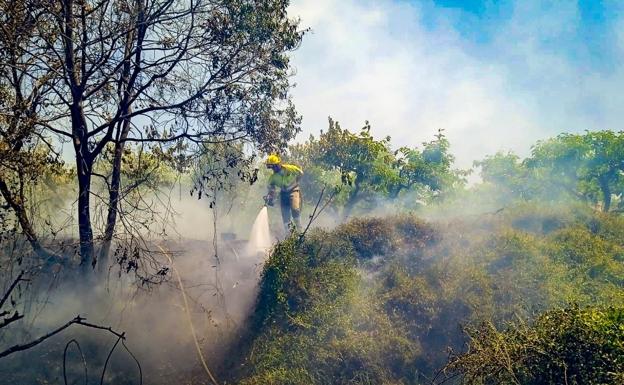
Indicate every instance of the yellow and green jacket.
{"type": "Point", "coordinates": [286, 180]}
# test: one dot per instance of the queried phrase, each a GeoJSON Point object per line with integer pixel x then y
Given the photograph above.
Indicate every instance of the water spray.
{"type": "Point", "coordinates": [260, 236]}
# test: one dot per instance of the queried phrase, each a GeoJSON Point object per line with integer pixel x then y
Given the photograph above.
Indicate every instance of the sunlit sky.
{"type": "Point", "coordinates": [495, 75]}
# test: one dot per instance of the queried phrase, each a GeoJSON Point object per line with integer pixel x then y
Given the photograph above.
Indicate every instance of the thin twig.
{"type": "Point", "coordinates": [11, 288]}
{"type": "Point", "coordinates": [77, 320]}
{"type": "Point", "coordinates": [123, 343]}
{"type": "Point", "coordinates": [317, 211]}
{"type": "Point", "coordinates": [108, 358]}
{"type": "Point", "coordinates": [107, 328]}
{"type": "Point", "coordinates": [190, 320]}
{"type": "Point", "coordinates": [84, 361]}
{"type": "Point", "coordinates": [6, 321]}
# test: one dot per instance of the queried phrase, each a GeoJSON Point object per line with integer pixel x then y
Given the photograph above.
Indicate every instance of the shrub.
{"type": "Point", "coordinates": [381, 300]}
{"type": "Point", "coordinates": [570, 346]}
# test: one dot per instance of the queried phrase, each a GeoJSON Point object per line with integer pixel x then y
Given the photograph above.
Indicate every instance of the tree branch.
{"type": "Point", "coordinates": [77, 320]}
{"type": "Point", "coordinates": [15, 282]}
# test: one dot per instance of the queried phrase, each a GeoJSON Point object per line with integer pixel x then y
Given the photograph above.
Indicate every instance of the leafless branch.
{"type": "Point", "coordinates": [77, 320]}
{"type": "Point", "coordinates": [318, 209]}
{"type": "Point", "coordinates": [12, 287]}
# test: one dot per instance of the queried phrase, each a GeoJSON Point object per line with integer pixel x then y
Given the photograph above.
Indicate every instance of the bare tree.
{"type": "Point", "coordinates": [171, 73]}
{"type": "Point", "coordinates": [25, 154]}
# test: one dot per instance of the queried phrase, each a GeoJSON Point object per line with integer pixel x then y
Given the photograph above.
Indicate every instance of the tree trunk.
{"type": "Point", "coordinates": [354, 197]}
{"type": "Point", "coordinates": [27, 229]}
{"type": "Point", "coordinates": [84, 169]}
{"type": "Point", "coordinates": [113, 201]}
{"type": "Point", "coordinates": [80, 136]}
{"type": "Point", "coordinates": [85, 230]}
{"type": "Point", "coordinates": [606, 195]}
{"type": "Point", "coordinates": [113, 194]}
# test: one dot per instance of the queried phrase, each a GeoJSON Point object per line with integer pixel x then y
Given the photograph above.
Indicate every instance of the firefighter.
{"type": "Point", "coordinates": [285, 180]}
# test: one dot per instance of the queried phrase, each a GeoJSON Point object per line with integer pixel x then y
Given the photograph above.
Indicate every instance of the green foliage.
{"type": "Point", "coordinates": [373, 236]}
{"type": "Point", "coordinates": [33, 186]}
{"type": "Point", "coordinates": [142, 169]}
{"type": "Point", "coordinates": [565, 346]}
{"type": "Point", "coordinates": [586, 166]}
{"type": "Point", "coordinates": [363, 164]}
{"type": "Point", "coordinates": [222, 167]}
{"type": "Point", "coordinates": [508, 174]}
{"type": "Point", "coordinates": [380, 300]}
{"type": "Point", "coordinates": [319, 322]}
{"type": "Point", "coordinates": [366, 169]}
{"type": "Point", "coordinates": [429, 170]}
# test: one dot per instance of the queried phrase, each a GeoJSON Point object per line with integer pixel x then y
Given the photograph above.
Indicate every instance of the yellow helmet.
{"type": "Point", "coordinates": [273, 159]}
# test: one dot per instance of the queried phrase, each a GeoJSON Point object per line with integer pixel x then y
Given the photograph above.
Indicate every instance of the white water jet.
{"type": "Point", "coordinates": [260, 237]}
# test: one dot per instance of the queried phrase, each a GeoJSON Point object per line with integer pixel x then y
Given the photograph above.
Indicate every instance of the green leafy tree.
{"type": "Point", "coordinates": [588, 166]}
{"type": "Point", "coordinates": [428, 170]}
{"type": "Point", "coordinates": [506, 178]}
{"type": "Point", "coordinates": [367, 168]}
{"type": "Point", "coordinates": [363, 163]}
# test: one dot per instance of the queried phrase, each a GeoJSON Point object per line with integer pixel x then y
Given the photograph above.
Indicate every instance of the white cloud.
{"type": "Point", "coordinates": [376, 61]}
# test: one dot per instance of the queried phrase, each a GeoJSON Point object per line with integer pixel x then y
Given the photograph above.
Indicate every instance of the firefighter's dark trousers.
{"type": "Point", "coordinates": [290, 202]}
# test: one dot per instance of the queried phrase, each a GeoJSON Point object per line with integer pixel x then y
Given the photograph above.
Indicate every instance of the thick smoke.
{"type": "Point", "coordinates": [209, 283]}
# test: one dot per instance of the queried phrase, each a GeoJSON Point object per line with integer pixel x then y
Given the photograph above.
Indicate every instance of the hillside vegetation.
{"type": "Point", "coordinates": [529, 295]}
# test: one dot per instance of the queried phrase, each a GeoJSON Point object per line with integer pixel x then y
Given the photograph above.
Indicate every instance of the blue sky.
{"type": "Point", "coordinates": [496, 75]}
{"type": "Point", "coordinates": [589, 42]}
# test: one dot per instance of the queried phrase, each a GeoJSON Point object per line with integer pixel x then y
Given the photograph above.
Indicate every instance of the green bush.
{"type": "Point", "coordinates": [571, 346]}
{"type": "Point", "coordinates": [382, 300]}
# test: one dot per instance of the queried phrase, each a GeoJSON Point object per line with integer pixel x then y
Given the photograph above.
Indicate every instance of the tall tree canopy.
{"type": "Point", "coordinates": [171, 73]}
{"type": "Point", "coordinates": [590, 166]}
{"type": "Point", "coordinates": [368, 168]}
{"type": "Point", "coordinates": [363, 163]}
{"type": "Point", "coordinates": [586, 166]}
{"type": "Point", "coordinates": [429, 169]}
